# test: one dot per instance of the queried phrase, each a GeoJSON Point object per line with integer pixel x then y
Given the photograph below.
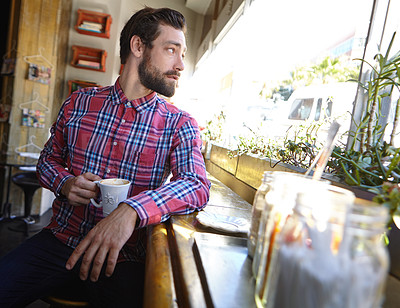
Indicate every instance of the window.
{"type": "Point", "coordinates": [318, 110]}
{"type": "Point", "coordinates": [301, 109]}
{"type": "Point", "coordinates": [277, 48]}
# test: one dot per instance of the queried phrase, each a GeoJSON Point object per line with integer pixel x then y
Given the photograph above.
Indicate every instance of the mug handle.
{"type": "Point", "coordinates": [92, 200]}
{"type": "Point", "coordinates": [95, 203]}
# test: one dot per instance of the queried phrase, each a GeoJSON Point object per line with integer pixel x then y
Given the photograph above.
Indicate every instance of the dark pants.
{"type": "Point", "coordinates": [37, 268]}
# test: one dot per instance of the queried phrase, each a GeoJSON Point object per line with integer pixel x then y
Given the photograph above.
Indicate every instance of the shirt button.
{"type": "Point", "coordinates": [123, 121]}
{"type": "Point", "coordinates": [129, 104]}
{"type": "Point", "coordinates": [108, 170]}
{"type": "Point", "coordinates": [115, 143]}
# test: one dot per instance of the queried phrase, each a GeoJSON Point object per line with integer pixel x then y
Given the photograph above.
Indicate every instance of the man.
{"type": "Point", "coordinates": [122, 131]}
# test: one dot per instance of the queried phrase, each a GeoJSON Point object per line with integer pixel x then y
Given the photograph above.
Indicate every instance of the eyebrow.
{"type": "Point", "coordinates": [176, 44]}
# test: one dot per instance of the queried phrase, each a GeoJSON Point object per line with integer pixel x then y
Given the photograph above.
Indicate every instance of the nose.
{"type": "Point", "coordinates": [179, 65]}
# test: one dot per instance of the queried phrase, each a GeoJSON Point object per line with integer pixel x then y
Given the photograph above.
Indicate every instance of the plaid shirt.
{"type": "Point", "coordinates": [99, 130]}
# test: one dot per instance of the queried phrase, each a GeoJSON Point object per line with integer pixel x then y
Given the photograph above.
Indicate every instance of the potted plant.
{"type": "Point", "coordinates": [212, 132]}
{"type": "Point", "coordinates": [369, 162]}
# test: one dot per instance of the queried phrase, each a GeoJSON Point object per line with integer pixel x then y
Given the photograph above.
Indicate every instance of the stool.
{"type": "Point", "coordinates": [29, 184]}
{"type": "Point", "coordinates": [72, 295]}
{"type": "Point", "coordinates": [62, 302]}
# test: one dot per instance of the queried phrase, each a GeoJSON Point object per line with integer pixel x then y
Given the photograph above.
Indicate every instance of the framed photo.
{"type": "Point", "coordinates": [75, 85]}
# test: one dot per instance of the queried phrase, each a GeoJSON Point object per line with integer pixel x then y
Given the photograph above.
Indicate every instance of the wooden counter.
{"type": "Point", "coordinates": [190, 265]}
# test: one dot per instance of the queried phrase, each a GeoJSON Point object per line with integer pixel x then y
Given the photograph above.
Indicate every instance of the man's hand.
{"type": "Point", "coordinates": [80, 189]}
{"type": "Point", "coordinates": [105, 240]}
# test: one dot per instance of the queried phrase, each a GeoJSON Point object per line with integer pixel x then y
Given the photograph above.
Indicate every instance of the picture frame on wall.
{"type": "Point", "coordinates": [75, 85]}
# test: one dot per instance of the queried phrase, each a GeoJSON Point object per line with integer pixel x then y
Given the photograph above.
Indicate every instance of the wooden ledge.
{"type": "Point", "coordinates": [159, 281]}
{"type": "Point", "coordinates": [174, 277]}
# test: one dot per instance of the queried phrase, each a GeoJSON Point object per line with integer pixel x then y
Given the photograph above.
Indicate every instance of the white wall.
{"type": "Point", "coordinates": [121, 11]}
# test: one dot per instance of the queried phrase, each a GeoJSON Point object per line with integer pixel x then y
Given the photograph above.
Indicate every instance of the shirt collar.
{"type": "Point", "coordinates": [141, 104]}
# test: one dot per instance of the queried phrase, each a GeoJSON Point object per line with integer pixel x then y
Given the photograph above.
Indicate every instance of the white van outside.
{"type": "Point", "coordinates": [318, 103]}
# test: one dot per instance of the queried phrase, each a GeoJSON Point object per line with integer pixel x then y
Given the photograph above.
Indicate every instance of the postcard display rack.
{"type": "Point", "coordinates": [39, 70]}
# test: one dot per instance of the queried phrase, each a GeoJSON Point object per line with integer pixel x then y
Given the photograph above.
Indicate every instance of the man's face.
{"type": "Point", "coordinates": [161, 65]}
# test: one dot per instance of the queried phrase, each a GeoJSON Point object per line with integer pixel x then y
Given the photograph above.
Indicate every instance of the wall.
{"type": "Point", "coordinates": [42, 30]}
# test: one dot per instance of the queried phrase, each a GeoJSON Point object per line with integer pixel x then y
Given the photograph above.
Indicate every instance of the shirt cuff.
{"type": "Point", "coordinates": [147, 210]}
{"type": "Point", "coordinates": [59, 183]}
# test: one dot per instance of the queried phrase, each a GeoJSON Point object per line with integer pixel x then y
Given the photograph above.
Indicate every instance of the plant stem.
{"type": "Point", "coordinates": [372, 114]}
{"type": "Point", "coordinates": [395, 123]}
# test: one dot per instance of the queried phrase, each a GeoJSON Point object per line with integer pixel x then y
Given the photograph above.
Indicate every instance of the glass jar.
{"type": "Point", "coordinates": [305, 264]}
{"type": "Point", "coordinates": [331, 255]}
{"type": "Point", "coordinates": [365, 255]}
{"type": "Point", "coordinates": [278, 205]}
{"type": "Point", "coordinates": [261, 234]}
{"type": "Point", "coordinates": [258, 206]}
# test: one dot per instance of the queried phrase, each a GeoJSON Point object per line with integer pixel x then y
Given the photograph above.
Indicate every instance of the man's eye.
{"type": "Point", "coordinates": [171, 50]}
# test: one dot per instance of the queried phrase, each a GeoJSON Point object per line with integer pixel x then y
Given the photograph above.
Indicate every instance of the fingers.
{"type": "Point", "coordinates": [94, 257]}
{"type": "Point", "coordinates": [79, 190]}
{"type": "Point", "coordinates": [92, 252]}
{"type": "Point", "coordinates": [86, 264]}
{"type": "Point", "coordinates": [78, 252]}
{"type": "Point", "coordinates": [85, 183]}
{"type": "Point", "coordinates": [98, 262]}
{"type": "Point", "coordinates": [103, 242]}
{"type": "Point", "coordinates": [111, 262]}
{"type": "Point", "coordinates": [91, 177]}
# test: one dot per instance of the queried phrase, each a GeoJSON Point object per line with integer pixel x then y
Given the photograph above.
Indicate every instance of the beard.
{"type": "Point", "coordinates": [152, 78]}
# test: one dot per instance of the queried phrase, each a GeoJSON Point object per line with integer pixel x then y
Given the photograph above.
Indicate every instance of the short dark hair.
{"type": "Point", "coordinates": [145, 24]}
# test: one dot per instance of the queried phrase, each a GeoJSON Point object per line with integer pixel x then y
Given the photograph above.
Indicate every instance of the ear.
{"type": "Point", "coordinates": [137, 46]}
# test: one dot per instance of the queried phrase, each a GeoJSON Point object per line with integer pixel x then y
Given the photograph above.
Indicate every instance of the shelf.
{"type": "Point", "coordinates": [93, 23]}
{"type": "Point", "coordinates": [89, 58]}
{"type": "Point", "coordinates": [74, 85]}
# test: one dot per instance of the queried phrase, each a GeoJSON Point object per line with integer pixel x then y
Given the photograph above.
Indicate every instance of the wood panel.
{"type": "Point", "coordinates": [219, 156]}
{"type": "Point", "coordinates": [250, 169]}
{"type": "Point", "coordinates": [242, 189]}
{"type": "Point", "coordinates": [159, 278]}
{"type": "Point", "coordinates": [43, 29]}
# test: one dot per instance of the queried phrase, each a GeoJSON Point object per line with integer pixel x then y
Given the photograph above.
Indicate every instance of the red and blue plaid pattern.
{"type": "Point", "coordinates": [99, 130]}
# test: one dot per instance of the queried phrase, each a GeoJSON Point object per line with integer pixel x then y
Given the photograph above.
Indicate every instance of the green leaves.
{"type": "Point", "coordinates": [389, 196]}
{"type": "Point", "coordinates": [366, 169]}
{"type": "Point", "coordinates": [214, 128]}
{"type": "Point", "coordinates": [299, 151]}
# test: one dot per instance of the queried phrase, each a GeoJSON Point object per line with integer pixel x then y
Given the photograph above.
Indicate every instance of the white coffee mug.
{"type": "Point", "coordinates": [113, 192]}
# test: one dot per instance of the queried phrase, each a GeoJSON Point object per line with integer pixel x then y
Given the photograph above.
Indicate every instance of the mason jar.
{"type": "Point", "coordinates": [279, 202]}
{"type": "Point", "coordinates": [258, 206]}
{"type": "Point", "coordinates": [305, 266]}
{"type": "Point", "coordinates": [365, 255]}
